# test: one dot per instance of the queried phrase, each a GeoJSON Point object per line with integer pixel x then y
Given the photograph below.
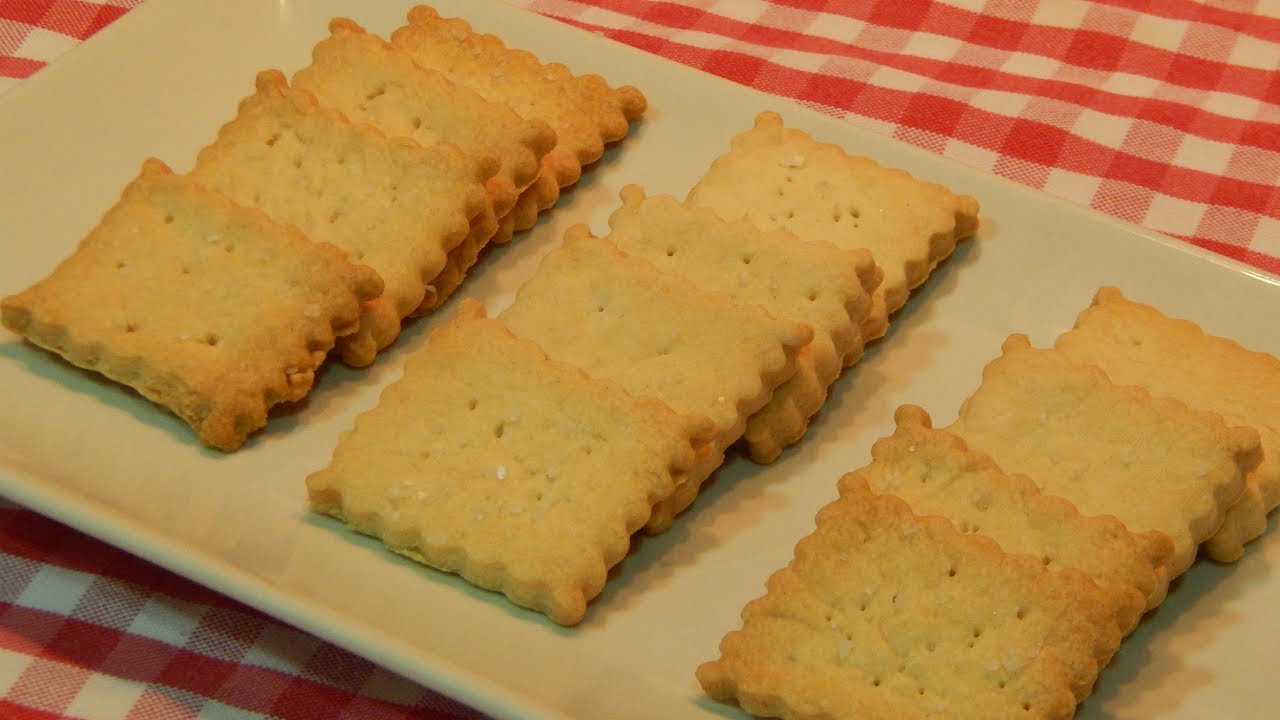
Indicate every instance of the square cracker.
{"type": "Point", "coordinates": [585, 112]}
{"type": "Point", "coordinates": [776, 176]}
{"type": "Point", "coordinates": [620, 318]}
{"type": "Point", "coordinates": [935, 473]}
{"type": "Point", "coordinates": [1110, 449]}
{"type": "Point", "coordinates": [520, 474]}
{"type": "Point", "coordinates": [204, 307]}
{"type": "Point", "coordinates": [370, 81]}
{"type": "Point", "coordinates": [1136, 344]}
{"type": "Point", "coordinates": [813, 282]}
{"type": "Point", "coordinates": [885, 614]}
{"type": "Point", "coordinates": [391, 204]}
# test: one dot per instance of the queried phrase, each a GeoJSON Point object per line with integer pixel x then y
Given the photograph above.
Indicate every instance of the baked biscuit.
{"type": "Point", "coordinates": [812, 282]}
{"type": "Point", "coordinates": [776, 176]}
{"type": "Point", "coordinates": [621, 319]}
{"type": "Point", "coordinates": [1110, 449]}
{"type": "Point", "coordinates": [935, 473]}
{"type": "Point", "coordinates": [886, 614]}
{"type": "Point", "coordinates": [205, 307]}
{"type": "Point", "coordinates": [520, 474]}
{"type": "Point", "coordinates": [1136, 344]}
{"type": "Point", "coordinates": [391, 204]}
{"type": "Point", "coordinates": [585, 112]}
{"type": "Point", "coordinates": [370, 81]}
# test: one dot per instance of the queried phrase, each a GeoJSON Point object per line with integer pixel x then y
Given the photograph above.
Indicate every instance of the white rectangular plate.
{"type": "Point", "coordinates": [96, 456]}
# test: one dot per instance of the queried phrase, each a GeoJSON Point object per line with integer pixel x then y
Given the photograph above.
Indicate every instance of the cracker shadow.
{"type": "Point", "coordinates": [383, 557]}
{"type": "Point", "coordinates": [49, 366]}
{"type": "Point", "coordinates": [1150, 670]}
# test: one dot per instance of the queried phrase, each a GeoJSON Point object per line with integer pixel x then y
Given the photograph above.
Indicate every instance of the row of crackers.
{"type": "Point", "coordinates": [991, 568]}
{"type": "Point", "coordinates": [334, 206]}
{"type": "Point", "coordinates": [522, 451]}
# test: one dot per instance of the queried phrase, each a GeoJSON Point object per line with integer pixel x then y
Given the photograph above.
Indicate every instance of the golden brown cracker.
{"type": "Point", "coordinates": [886, 614]}
{"type": "Point", "coordinates": [585, 112]}
{"type": "Point", "coordinates": [777, 176]}
{"type": "Point", "coordinates": [520, 474]}
{"type": "Point", "coordinates": [391, 204]}
{"type": "Point", "coordinates": [370, 81]}
{"type": "Point", "coordinates": [204, 307]}
{"type": "Point", "coordinates": [813, 282]}
{"type": "Point", "coordinates": [1110, 449]}
{"type": "Point", "coordinates": [936, 473]}
{"type": "Point", "coordinates": [620, 318]}
{"type": "Point", "coordinates": [1137, 344]}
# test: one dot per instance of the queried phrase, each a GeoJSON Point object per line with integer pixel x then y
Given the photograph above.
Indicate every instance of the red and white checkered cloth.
{"type": "Point", "coordinates": [1165, 113]}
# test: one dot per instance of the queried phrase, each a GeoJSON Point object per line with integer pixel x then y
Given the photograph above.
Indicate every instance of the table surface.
{"type": "Point", "coordinates": [1165, 114]}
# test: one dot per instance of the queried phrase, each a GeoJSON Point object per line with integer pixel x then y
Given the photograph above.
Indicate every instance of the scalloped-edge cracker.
{"type": "Point", "coordinates": [1137, 344]}
{"type": "Point", "coordinates": [936, 473]}
{"type": "Point", "coordinates": [369, 80]}
{"type": "Point", "coordinates": [885, 614]}
{"type": "Point", "coordinates": [620, 318]}
{"type": "Point", "coordinates": [777, 176]}
{"type": "Point", "coordinates": [521, 474]}
{"type": "Point", "coordinates": [813, 282]}
{"type": "Point", "coordinates": [1152, 462]}
{"type": "Point", "coordinates": [390, 203]}
{"type": "Point", "coordinates": [585, 112]}
{"type": "Point", "coordinates": [205, 307]}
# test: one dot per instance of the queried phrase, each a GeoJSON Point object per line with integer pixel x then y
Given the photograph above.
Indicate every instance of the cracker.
{"type": "Point", "coordinates": [935, 473]}
{"type": "Point", "coordinates": [776, 176]}
{"type": "Point", "coordinates": [585, 112]}
{"type": "Point", "coordinates": [370, 81]}
{"type": "Point", "coordinates": [620, 318]}
{"type": "Point", "coordinates": [389, 203]}
{"type": "Point", "coordinates": [886, 614]}
{"type": "Point", "coordinates": [1110, 449]}
{"type": "Point", "coordinates": [1136, 344]}
{"type": "Point", "coordinates": [204, 307]}
{"type": "Point", "coordinates": [520, 474]}
{"type": "Point", "coordinates": [812, 282]}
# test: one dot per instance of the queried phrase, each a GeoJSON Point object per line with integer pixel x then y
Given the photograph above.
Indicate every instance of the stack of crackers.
{"type": "Point", "coordinates": [526, 461]}
{"type": "Point", "coordinates": [991, 568]}
{"type": "Point", "coordinates": [328, 211]}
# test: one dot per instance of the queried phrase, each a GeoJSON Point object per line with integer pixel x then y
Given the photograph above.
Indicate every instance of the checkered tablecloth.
{"type": "Point", "coordinates": [1165, 113]}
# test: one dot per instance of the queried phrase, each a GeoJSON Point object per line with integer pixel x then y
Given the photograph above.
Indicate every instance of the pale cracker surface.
{"type": "Point", "coordinates": [1110, 449]}
{"type": "Point", "coordinates": [813, 282]}
{"type": "Point", "coordinates": [204, 307]}
{"type": "Point", "coordinates": [885, 614]}
{"type": "Point", "coordinates": [935, 473]}
{"type": "Point", "coordinates": [1137, 344]}
{"type": "Point", "coordinates": [391, 204]}
{"type": "Point", "coordinates": [370, 81]}
{"type": "Point", "coordinates": [776, 176]}
{"type": "Point", "coordinates": [516, 472]}
{"type": "Point", "coordinates": [585, 112]}
{"type": "Point", "coordinates": [620, 318]}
